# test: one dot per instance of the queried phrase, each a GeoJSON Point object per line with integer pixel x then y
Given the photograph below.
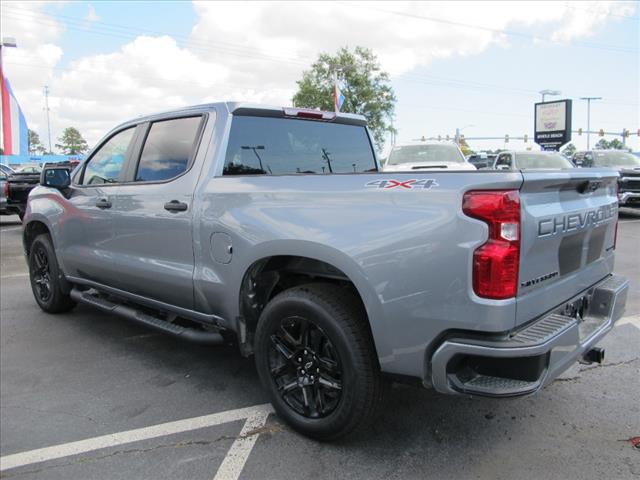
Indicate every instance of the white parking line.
{"type": "Point", "coordinates": [632, 319]}
{"type": "Point", "coordinates": [10, 229]}
{"type": "Point", "coordinates": [16, 275]}
{"type": "Point", "coordinates": [238, 454]}
{"type": "Point", "coordinates": [229, 470]}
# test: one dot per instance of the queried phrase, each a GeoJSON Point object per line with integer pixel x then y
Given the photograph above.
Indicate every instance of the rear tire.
{"type": "Point", "coordinates": [47, 278]}
{"type": "Point", "coordinates": [316, 359]}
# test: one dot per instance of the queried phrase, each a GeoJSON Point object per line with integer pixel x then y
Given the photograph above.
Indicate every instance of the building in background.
{"type": "Point", "coordinates": [15, 133]}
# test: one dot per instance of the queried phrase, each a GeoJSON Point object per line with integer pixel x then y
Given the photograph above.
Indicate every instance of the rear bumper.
{"type": "Point", "coordinates": [526, 360]}
{"type": "Point", "coordinates": [629, 198]}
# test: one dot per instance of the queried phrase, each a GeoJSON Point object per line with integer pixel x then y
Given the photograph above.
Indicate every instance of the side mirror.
{"type": "Point", "coordinates": [55, 177]}
{"type": "Point", "coordinates": [504, 167]}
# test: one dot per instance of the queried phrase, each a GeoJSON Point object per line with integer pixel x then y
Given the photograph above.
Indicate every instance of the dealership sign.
{"type": "Point", "coordinates": [552, 124]}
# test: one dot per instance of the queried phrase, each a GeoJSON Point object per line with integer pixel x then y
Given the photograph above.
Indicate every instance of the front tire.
{"type": "Point", "coordinates": [315, 357]}
{"type": "Point", "coordinates": [46, 277]}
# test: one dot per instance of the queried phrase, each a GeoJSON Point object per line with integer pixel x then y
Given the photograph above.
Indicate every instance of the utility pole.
{"type": "Point", "coordinates": [458, 136]}
{"type": "Point", "coordinates": [588, 99]}
{"type": "Point", "coordinates": [46, 108]}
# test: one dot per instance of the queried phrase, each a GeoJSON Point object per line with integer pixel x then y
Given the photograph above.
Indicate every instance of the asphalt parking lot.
{"type": "Point", "coordinates": [85, 395]}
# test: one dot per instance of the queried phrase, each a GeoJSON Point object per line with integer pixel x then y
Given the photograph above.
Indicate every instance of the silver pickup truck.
{"type": "Point", "coordinates": [273, 228]}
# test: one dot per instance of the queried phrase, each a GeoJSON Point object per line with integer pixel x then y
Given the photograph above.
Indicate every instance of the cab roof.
{"type": "Point", "coordinates": [252, 109]}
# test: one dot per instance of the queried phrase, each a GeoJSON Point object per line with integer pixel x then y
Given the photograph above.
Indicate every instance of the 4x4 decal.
{"type": "Point", "coordinates": [386, 184]}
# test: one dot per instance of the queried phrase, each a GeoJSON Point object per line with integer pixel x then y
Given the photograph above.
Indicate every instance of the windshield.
{"type": "Point", "coordinates": [541, 161]}
{"type": "Point", "coordinates": [280, 146]}
{"type": "Point", "coordinates": [425, 154]}
{"type": "Point", "coordinates": [615, 159]}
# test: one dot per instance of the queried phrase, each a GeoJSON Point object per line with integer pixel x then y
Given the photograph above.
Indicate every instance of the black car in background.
{"type": "Point", "coordinates": [481, 160]}
{"type": "Point", "coordinates": [626, 163]}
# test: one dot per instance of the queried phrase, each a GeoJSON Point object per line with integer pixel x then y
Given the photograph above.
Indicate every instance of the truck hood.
{"type": "Point", "coordinates": [427, 166]}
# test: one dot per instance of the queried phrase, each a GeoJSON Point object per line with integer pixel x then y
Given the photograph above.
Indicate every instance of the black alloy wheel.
{"type": "Point", "coordinates": [47, 280]}
{"type": "Point", "coordinates": [316, 359]}
{"type": "Point", "coordinates": [41, 273]}
{"type": "Point", "coordinates": [305, 367]}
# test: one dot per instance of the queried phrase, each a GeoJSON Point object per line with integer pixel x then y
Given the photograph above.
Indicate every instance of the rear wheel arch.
{"type": "Point", "coordinates": [268, 276]}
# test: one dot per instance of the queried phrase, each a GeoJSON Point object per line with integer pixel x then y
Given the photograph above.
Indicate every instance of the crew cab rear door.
{"type": "Point", "coordinates": [153, 246]}
{"type": "Point", "coordinates": [569, 222]}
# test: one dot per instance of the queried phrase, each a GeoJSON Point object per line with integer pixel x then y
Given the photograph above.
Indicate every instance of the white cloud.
{"type": "Point", "coordinates": [255, 51]}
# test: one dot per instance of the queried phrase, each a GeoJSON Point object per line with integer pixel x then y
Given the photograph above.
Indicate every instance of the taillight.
{"type": "Point", "coordinates": [496, 262]}
{"type": "Point", "coordinates": [6, 189]}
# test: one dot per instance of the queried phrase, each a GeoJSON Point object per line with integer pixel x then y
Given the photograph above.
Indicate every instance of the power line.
{"type": "Point", "coordinates": [130, 33]}
{"type": "Point", "coordinates": [569, 6]}
{"type": "Point", "coordinates": [232, 49]}
{"type": "Point", "coordinates": [612, 48]}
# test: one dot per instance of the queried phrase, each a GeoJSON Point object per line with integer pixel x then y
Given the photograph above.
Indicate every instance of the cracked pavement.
{"type": "Point", "coordinates": [75, 376]}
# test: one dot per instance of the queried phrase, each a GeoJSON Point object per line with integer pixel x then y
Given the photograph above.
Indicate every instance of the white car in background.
{"type": "Point", "coordinates": [426, 156]}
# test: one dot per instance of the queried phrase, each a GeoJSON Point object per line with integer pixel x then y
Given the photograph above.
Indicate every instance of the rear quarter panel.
{"type": "Point", "coordinates": [408, 251]}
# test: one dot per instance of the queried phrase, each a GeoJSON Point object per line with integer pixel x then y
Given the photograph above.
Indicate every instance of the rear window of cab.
{"type": "Point", "coordinates": [281, 146]}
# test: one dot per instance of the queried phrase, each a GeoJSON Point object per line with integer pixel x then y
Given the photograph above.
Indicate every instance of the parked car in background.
{"type": "Point", "coordinates": [30, 169]}
{"type": "Point", "coordinates": [6, 169]}
{"type": "Point", "coordinates": [626, 163]}
{"type": "Point", "coordinates": [3, 193]}
{"type": "Point", "coordinates": [482, 160]}
{"type": "Point", "coordinates": [526, 160]}
{"type": "Point", "coordinates": [426, 156]}
{"type": "Point", "coordinates": [19, 184]}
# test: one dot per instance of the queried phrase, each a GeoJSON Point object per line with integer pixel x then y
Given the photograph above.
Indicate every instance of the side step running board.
{"type": "Point", "coordinates": [191, 334]}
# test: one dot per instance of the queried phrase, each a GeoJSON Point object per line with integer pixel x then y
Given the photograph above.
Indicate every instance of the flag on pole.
{"type": "Point", "coordinates": [15, 134]}
{"type": "Point", "coordinates": [338, 96]}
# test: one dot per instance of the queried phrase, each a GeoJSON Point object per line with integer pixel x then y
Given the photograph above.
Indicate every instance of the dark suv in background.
{"type": "Point", "coordinates": [626, 163]}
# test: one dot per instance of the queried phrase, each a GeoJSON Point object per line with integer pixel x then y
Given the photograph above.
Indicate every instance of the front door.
{"type": "Point", "coordinates": [86, 240]}
{"type": "Point", "coordinates": [153, 246]}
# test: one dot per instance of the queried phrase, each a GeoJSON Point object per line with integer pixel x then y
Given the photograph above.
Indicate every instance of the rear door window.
{"type": "Point", "coordinates": [280, 146]}
{"type": "Point", "coordinates": [168, 149]}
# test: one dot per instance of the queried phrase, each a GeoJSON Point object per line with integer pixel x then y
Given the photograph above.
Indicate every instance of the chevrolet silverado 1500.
{"type": "Point", "coordinates": [275, 228]}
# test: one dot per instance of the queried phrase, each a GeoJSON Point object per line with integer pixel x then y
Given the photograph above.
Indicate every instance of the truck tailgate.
{"type": "Point", "coordinates": [568, 234]}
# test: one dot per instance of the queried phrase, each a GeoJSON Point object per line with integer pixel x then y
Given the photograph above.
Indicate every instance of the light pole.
{"type": "Point", "coordinates": [458, 130]}
{"type": "Point", "coordinates": [549, 92]}
{"type": "Point", "coordinates": [45, 91]}
{"type": "Point", "coordinates": [6, 42]}
{"type": "Point", "coordinates": [588, 99]}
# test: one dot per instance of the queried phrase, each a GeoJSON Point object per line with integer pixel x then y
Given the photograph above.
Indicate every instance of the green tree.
{"type": "Point", "coordinates": [569, 150]}
{"type": "Point", "coordinates": [71, 142]}
{"type": "Point", "coordinates": [365, 86]}
{"type": "Point", "coordinates": [35, 145]}
{"type": "Point", "coordinates": [613, 144]}
{"type": "Point", "coordinates": [464, 147]}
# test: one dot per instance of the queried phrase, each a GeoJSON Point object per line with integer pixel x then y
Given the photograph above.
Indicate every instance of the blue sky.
{"type": "Point", "coordinates": [445, 75]}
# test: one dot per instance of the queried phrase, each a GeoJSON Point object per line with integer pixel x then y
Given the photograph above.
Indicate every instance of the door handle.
{"type": "Point", "coordinates": [103, 203]}
{"type": "Point", "coordinates": [175, 206]}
